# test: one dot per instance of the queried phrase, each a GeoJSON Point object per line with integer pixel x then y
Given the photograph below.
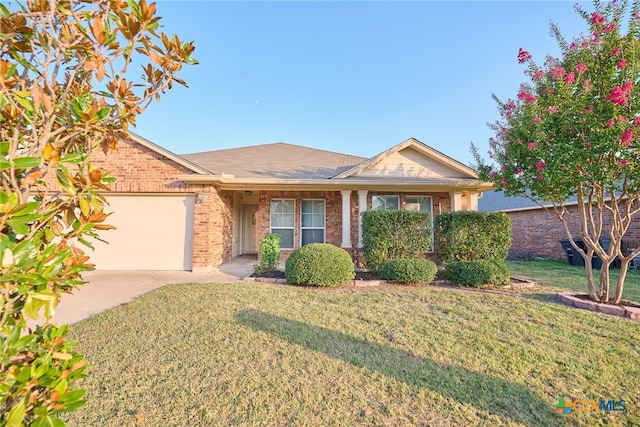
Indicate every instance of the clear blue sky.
{"type": "Point", "coordinates": [352, 77]}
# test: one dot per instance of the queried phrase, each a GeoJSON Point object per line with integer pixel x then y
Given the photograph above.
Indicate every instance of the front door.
{"type": "Point", "coordinates": [249, 229]}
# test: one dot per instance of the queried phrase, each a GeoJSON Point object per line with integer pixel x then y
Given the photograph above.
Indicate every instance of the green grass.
{"type": "Point", "coordinates": [274, 355]}
{"type": "Point", "coordinates": [558, 275]}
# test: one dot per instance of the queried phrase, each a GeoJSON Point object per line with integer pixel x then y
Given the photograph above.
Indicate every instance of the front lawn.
{"type": "Point", "coordinates": [560, 275]}
{"type": "Point", "coordinates": [275, 355]}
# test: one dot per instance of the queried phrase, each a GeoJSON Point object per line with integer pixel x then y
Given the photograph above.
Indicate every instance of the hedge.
{"type": "Point", "coordinates": [410, 271]}
{"type": "Point", "coordinates": [319, 264]}
{"type": "Point", "coordinates": [470, 235]}
{"type": "Point", "coordinates": [389, 235]}
{"type": "Point", "coordinates": [478, 273]}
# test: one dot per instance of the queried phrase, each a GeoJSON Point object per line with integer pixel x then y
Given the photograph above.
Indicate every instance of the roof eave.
{"type": "Point", "coordinates": [232, 183]}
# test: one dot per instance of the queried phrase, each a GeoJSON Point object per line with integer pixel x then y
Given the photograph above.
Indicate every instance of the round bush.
{"type": "Point", "coordinates": [319, 264]}
{"type": "Point", "coordinates": [479, 272]}
{"type": "Point", "coordinates": [411, 271]}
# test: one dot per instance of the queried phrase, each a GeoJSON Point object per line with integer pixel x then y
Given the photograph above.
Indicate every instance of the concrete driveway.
{"type": "Point", "coordinates": [108, 289]}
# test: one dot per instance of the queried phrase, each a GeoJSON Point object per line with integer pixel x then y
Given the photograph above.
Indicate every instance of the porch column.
{"type": "Point", "coordinates": [362, 206]}
{"type": "Point", "coordinates": [456, 201]}
{"type": "Point", "coordinates": [473, 200]}
{"type": "Point", "coordinates": [346, 218]}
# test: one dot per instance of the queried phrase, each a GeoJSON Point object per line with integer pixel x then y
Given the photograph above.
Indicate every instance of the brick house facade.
{"type": "Point", "coordinates": [222, 199]}
{"type": "Point", "coordinates": [536, 231]}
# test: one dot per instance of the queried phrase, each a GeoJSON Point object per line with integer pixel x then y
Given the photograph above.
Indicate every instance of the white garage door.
{"type": "Point", "coordinates": [153, 232]}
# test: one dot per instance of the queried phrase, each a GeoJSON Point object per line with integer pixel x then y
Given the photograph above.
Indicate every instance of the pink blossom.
{"type": "Point", "coordinates": [503, 181]}
{"type": "Point", "coordinates": [518, 170]}
{"type": "Point", "coordinates": [609, 28]}
{"type": "Point", "coordinates": [622, 63]}
{"type": "Point", "coordinates": [619, 94]}
{"type": "Point", "coordinates": [526, 97]}
{"type": "Point", "coordinates": [627, 137]}
{"type": "Point", "coordinates": [553, 109]}
{"type": "Point", "coordinates": [623, 163]}
{"type": "Point", "coordinates": [587, 85]}
{"type": "Point", "coordinates": [616, 52]}
{"type": "Point", "coordinates": [523, 56]}
{"type": "Point", "coordinates": [538, 75]}
{"type": "Point", "coordinates": [596, 18]}
{"type": "Point", "coordinates": [539, 177]}
{"type": "Point", "coordinates": [532, 145]}
{"type": "Point", "coordinates": [536, 120]}
{"type": "Point", "coordinates": [611, 123]}
{"type": "Point", "coordinates": [570, 78]}
{"type": "Point", "coordinates": [589, 109]}
{"type": "Point", "coordinates": [511, 106]}
{"type": "Point", "coordinates": [540, 165]}
{"type": "Point", "coordinates": [587, 144]}
{"type": "Point", "coordinates": [581, 68]}
{"type": "Point", "coordinates": [557, 73]}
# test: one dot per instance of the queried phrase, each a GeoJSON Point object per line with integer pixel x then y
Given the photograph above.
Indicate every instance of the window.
{"type": "Point", "coordinates": [312, 229]}
{"type": "Point", "coordinates": [385, 203]}
{"type": "Point", "coordinates": [282, 221]}
{"type": "Point", "coordinates": [418, 204]}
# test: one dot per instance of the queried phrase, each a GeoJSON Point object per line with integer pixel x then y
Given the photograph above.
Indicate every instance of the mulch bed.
{"type": "Point", "coordinates": [277, 274]}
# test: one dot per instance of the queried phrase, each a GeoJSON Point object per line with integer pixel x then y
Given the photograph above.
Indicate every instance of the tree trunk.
{"type": "Point", "coordinates": [590, 282]}
{"type": "Point", "coordinates": [624, 267]}
{"type": "Point", "coordinates": [604, 282]}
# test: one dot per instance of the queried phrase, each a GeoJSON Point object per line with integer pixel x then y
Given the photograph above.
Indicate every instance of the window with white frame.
{"type": "Point", "coordinates": [385, 203]}
{"type": "Point", "coordinates": [283, 221]}
{"type": "Point", "coordinates": [312, 229]}
{"type": "Point", "coordinates": [418, 204]}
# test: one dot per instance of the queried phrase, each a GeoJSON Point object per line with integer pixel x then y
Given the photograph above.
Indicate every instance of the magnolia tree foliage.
{"type": "Point", "coordinates": [70, 84]}
{"type": "Point", "coordinates": [573, 132]}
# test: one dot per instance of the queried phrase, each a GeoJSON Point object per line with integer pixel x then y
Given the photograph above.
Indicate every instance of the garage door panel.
{"type": "Point", "coordinates": [152, 233]}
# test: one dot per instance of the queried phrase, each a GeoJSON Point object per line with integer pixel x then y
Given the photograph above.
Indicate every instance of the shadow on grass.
{"type": "Point", "coordinates": [494, 395]}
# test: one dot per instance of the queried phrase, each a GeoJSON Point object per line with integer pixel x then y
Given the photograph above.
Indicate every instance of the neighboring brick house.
{"type": "Point", "coordinates": [196, 211]}
{"type": "Point", "coordinates": [536, 231]}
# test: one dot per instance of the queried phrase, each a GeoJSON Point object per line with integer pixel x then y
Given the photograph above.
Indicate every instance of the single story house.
{"type": "Point", "coordinates": [536, 231]}
{"type": "Point", "coordinates": [196, 211]}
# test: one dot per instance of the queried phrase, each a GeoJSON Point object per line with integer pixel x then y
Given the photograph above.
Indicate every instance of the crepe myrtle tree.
{"type": "Point", "coordinates": [73, 77]}
{"type": "Point", "coordinates": [573, 131]}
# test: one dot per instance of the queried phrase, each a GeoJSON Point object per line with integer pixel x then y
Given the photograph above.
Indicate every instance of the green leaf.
{"type": "Point", "coordinates": [4, 11]}
{"type": "Point", "coordinates": [16, 415]}
{"type": "Point", "coordinates": [27, 162]}
{"type": "Point", "coordinates": [22, 97]}
{"type": "Point", "coordinates": [27, 208]}
{"type": "Point", "coordinates": [72, 396]}
{"type": "Point", "coordinates": [48, 421]}
{"type": "Point", "coordinates": [73, 158]}
{"type": "Point", "coordinates": [102, 113]}
{"type": "Point", "coordinates": [18, 227]}
{"type": "Point", "coordinates": [4, 148]}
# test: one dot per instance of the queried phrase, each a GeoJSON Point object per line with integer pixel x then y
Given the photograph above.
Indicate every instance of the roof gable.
{"type": "Point", "coordinates": [410, 159]}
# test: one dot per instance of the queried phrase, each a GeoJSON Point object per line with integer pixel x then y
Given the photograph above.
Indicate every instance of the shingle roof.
{"type": "Point", "coordinates": [277, 160]}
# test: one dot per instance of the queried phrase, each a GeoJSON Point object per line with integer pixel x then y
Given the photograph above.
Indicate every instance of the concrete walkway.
{"type": "Point", "coordinates": [107, 289]}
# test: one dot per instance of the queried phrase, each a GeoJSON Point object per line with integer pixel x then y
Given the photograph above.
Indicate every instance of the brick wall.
{"type": "Point", "coordinates": [139, 169]}
{"type": "Point", "coordinates": [537, 233]}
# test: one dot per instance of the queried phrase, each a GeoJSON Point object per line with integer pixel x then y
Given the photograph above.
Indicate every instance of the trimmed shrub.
{"type": "Point", "coordinates": [269, 253]}
{"type": "Point", "coordinates": [398, 234]}
{"type": "Point", "coordinates": [478, 272]}
{"type": "Point", "coordinates": [319, 264]}
{"type": "Point", "coordinates": [470, 235]}
{"type": "Point", "coordinates": [411, 271]}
